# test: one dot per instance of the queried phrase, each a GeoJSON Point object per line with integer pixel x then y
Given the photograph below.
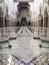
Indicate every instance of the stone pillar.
{"type": "Point", "coordinates": [2, 19]}
{"type": "Point", "coordinates": [6, 22]}
{"type": "Point", "coordinates": [45, 21]}
{"type": "Point", "coordinates": [1, 22]}
{"type": "Point", "coordinates": [40, 18]}
{"type": "Point", "coordinates": [45, 17]}
{"type": "Point", "coordinates": [48, 21]}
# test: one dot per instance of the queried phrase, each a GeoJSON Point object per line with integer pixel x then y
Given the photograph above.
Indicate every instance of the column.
{"type": "Point", "coordinates": [1, 21]}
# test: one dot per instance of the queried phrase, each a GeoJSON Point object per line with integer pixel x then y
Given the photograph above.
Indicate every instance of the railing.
{"type": "Point", "coordinates": [40, 31]}
{"type": "Point", "coordinates": [8, 30]}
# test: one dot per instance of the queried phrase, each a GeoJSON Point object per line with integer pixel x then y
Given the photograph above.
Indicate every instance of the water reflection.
{"type": "Point", "coordinates": [4, 47]}
{"type": "Point", "coordinates": [46, 46]}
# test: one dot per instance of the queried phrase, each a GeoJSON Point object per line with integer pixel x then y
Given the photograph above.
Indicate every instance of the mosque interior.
{"type": "Point", "coordinates": [24, 32]}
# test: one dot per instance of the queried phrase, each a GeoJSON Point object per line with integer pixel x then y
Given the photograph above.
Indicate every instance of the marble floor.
{"type": "Point", "coordinates": [25, 49]}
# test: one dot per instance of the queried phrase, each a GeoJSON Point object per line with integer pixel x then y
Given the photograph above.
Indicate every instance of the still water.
{"type": "Point", "coordinates": [6, 49]}
{"type": "Point", "coordinates": [46, 44]}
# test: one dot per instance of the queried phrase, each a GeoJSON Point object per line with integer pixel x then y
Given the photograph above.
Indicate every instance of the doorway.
{"type": "Point", "coordinates": [23, 24]}
{"type": "Point", "coordinates": [23, 21]}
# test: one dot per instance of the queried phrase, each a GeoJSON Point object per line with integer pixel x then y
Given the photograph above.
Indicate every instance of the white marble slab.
{"type": "Point", "coordinates": [25, 48]}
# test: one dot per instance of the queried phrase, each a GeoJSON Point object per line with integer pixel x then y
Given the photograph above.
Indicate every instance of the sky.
{"type": "Point", "coordinates": [34, 7]}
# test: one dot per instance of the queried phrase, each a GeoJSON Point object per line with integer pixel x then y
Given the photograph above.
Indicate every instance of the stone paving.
{"type": "Point", "coordinates": [26, 50]}
{"type": "Point", "coordinates": [12, 60]}
{"type": "Point", "coordinates": [2, 39]}
{"type": "Point", "coordinates": [26, 46]}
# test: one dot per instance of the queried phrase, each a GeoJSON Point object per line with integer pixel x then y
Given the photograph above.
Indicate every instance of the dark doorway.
{"type": "Point", "coordinates": [23, 21]}
{"type": "Point", "coordinates": [23, 24]}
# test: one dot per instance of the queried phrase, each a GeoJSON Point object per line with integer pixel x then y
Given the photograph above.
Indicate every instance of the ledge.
{"type": "Point", "coordinates": [3, 40]}
{"type": "Point", "coordinates": [44, 39]}
{"type": "Point", "coordinates": [47, 41]}
{"type": "Point", "coordinates": [36, 38]}
{"type": "Point", "coordinates": [42, 46]}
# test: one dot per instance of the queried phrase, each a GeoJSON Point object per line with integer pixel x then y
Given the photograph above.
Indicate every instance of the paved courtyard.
{"type": "Point", "coordinates": [25, 49]}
